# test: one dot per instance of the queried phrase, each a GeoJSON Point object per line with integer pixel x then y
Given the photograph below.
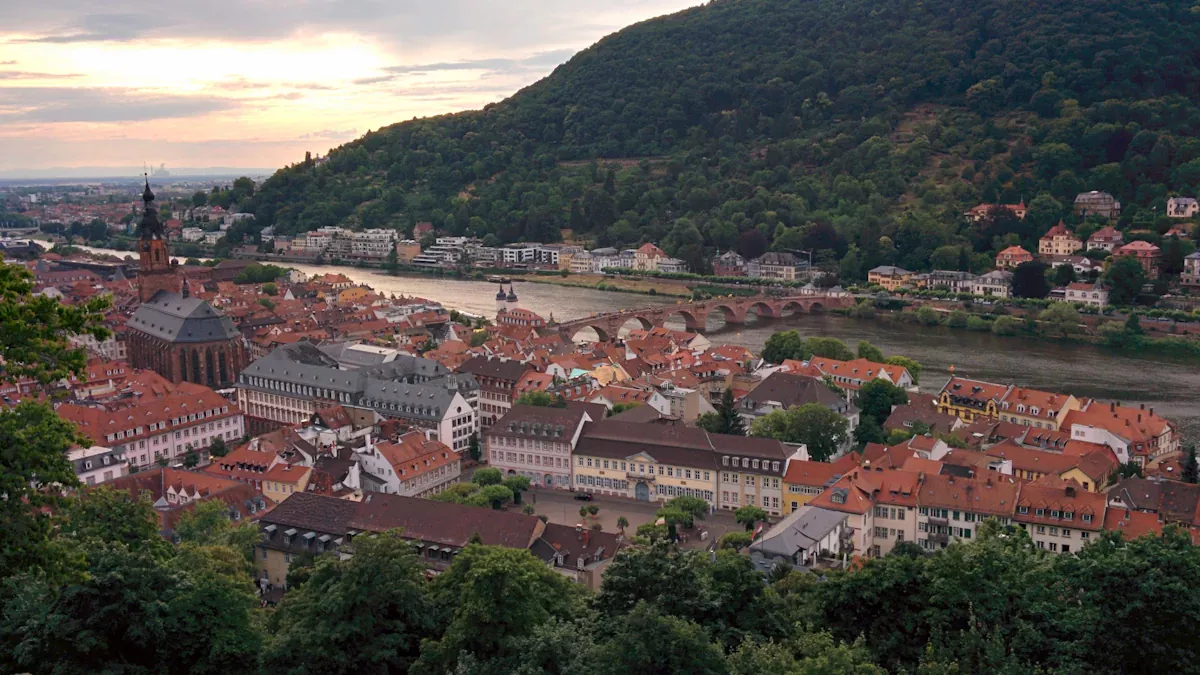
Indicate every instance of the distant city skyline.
{"type": "Point", "coordinates": [233, 83]}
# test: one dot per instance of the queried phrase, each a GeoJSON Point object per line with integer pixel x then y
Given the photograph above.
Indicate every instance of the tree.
{"type": "Point", "coordinates": [736, 540]}
{"type": "Point", "coordinates": [647, 641]}
{"type": "Point", "coordinates": [541, 399]}
{"type": "Point", "coordinates": [1061, 317]}
{"type": "Point", "coordinates": [830, 348]}
{"type": "Point", "coordinates": [870, 352]}
{"type": "Point", "coordinates": [133, 612]}
{"type": "Point", "coordinates": [928, 316]}
{"type": "Point", "coordinates": [1029, 280]}
{"type": "Point", "coordinates": [33, 460]}
{"type": "Point", "coordinates": [393, 262]}
{"type": "Point", "coordinates": [694, 507]}
{"type": "Point", "coordinates": [103, 515]}
{"type": "Point", "coordinates": [473, 449]}
{"type": "Point", "coordinates": [493, 596]}
{"type": "Point", "coordinates": [191, 459]}
{"type": "Point", "coordinates": [913, 366]}
{"type": "Point", "coordinates": [1191, 469]}
{"type": "Point", "coordinates": [619, 408]}
{"type": "Point", "coordinates": [270, 289]}
{"type": "Point", "coordinates": [1064, 274]}
{"type": "Point", "coordinates": [34, 330]}
{"type": "Point", "coordinates": [209, 524]}
{"type": "Point", "coordinates": [218, 448]}
{"type": "Point", "coordinates": [822, 430]}
{"type": "Point", "coordinates": [583, 512]}
{"type": "Point", "coordinates": [1125, 278]}
{"type": "Point", "coordinates": [517, 484]}
{"type": "Point", "coordinates": [749, 516]}
{"type": "Point", "coordinates": [752, 244]}
{"type": "Point", "coordinates": [487, 476]}
{"type": "Point", "coordinates": [622, 523]}
{"type": "Point", "coordinates": [362, 614]}
{"type": "Point", "coordinates": [1004, 325]}
{"type": "Point", "coordinates": [725, 420]}
{"type": "Point", "coordinates": [877, 398]}
{"type": "Point", "coordinates": [592, 510]}
{"type": "Point", "coordinates": [785, 345]}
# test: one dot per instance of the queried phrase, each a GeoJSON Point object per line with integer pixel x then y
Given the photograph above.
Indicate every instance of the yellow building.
{"type": "Point", "coordinates": [283, 480]}
{"type": "Point", "coordinates": [646, 462]}
{"type": "Point", "coordinates": [971, 399]}
{"type": "Point", "coordinates": [804, 479]}
{"type": "Point", "coordinates": [889, 276]}
{"type": "Point", "coordinates": [349, 296]}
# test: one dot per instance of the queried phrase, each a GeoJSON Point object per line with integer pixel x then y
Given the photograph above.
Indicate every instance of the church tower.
{"type": "Point", "coordinates": [155, 271]}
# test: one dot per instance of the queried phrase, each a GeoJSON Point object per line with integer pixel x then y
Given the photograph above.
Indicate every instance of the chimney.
{"type": "Point", "coordinates": [1070, 490]}
{"type": "Point", "coordinates": [1143, 406]}
{"type": "Point", "coordinates": [1112, 407]}
{"type": "Point", "coordinates": [1139, 418]}
{"type": "Point", "coordinates": [1152, 412]}
{"type": "Point", "coordinates": [587, 535]}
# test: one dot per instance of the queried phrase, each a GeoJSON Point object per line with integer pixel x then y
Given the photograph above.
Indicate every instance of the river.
{"type": "Point", "coordinates": [1171, 387]}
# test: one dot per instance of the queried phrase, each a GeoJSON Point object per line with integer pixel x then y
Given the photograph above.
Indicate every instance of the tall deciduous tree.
{"type": "Point", "coordinates": [1125, 278]}
{"type": "Point", "coordinates": [877, 398]}
{"type": "Point", "coordinates": [365, 614]}
{"type": "Point", "coordinates": [822, 430]}
{"type": "Point", "coordinates": [1029, 280]}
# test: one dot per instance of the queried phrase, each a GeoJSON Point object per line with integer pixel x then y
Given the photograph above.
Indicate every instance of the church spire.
{"type": "Point", "coordinates": [150, 227]}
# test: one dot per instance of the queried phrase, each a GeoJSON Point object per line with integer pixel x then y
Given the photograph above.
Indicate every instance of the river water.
{"type": "Point", "coordinates": [1171, 387]}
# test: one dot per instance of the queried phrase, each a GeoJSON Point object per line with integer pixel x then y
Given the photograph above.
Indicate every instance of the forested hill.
{"type": "Point", "coordinates": [859, 127]}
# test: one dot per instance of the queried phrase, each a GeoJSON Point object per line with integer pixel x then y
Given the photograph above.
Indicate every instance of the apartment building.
{"type": "Point", "coordinates": [162, 424]}
{"type": "Point", "coordinates": [537, 442]}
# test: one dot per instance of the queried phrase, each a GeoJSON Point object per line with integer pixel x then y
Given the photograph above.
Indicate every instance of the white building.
{"type": "Point", "coordinates": [1095, 295]}
{"type": "Point", "coordinates": [377, 243]}
{"type": "Point", "coordinates": [97, 464]}
{"type": "Point", "coordinates": [536, 442]}
{"type": "Point", "coordinates": [191, 234]}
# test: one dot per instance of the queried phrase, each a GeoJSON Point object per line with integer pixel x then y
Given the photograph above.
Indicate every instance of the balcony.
{"type": "Point", "coordinates": [633, 475]}
{"type": "Point", "coordinates": [939, 521]}
{"type": "Point", "coordinates": [938, 538]}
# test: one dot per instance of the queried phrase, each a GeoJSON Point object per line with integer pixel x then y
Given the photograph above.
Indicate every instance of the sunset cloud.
{"type": "Point", "coordinates": [259, 82]}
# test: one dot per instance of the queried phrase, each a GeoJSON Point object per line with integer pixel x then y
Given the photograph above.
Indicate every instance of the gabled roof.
{"type": "Point", "coordinates": [174, 318]}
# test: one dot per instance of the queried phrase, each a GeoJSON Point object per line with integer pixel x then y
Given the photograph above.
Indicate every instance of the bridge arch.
{"type": "Point", "coordinates": [816, 307]}
{"type": "Point", "coordinates": [692, 320]}
{"type": "Point", "coordinates": [763, 310]}
{"type": "Point", "coordinates": [793, 307]}
{"type": "Point", "coordinates": [637, 320]}
{"type": "Point", "coordinates": [729, 313]}
{"type": "Point", "coordinates": [573, 333]}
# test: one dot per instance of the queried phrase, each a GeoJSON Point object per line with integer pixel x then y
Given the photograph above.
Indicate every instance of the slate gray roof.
{"type": "Point", "coordinates": [304, 364]}
{"type": "Point", "coordinates": [789, 389]}
{"type": "Point", "coordinates": [401, 399]}
{"type": "Point", "coordinates": [174, 318]}
{"type": "Point", "coordinates": [351, 359]}
{"type": "Point", "coordinates": [799, 530]}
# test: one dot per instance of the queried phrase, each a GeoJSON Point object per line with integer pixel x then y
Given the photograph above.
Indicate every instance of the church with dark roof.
{"type": "Point", "coordinates": [182, 338]}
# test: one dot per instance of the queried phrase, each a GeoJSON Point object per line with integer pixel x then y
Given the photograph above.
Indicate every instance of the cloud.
{"type": "Point", "coordinates": [50, 105]}
{"type": "Point", "coordinates": [29, 75]}
{"type": "Point", "coordinates": [329, 134]}
{"type": "Point", "coordinates": [101, 28]}
{"type": "Point", "coordinates": [8, 63]}
{"type": "Point", "coordinates": [374, 80]}
{"type": "Point", "coordinates": [480, 25]}
{"type": "Point", "coordinates": [540, 61]}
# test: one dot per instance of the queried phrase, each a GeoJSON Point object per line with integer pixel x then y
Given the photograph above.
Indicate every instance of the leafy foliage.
{"type": "Point", "coordinates": [773, 124]}
{"type": "Point", "coordinates": [812, 424]}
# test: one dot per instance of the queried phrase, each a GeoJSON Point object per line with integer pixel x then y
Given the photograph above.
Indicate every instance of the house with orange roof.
{"type": "Point", "coordinates": [1132, 524]}
{"type": "Point", "coordinates": [160, 422]}
{"type": "Point", "coordinates": [1092, 470]}
{"type": "Point", "coordinates": [613, 395]}
{"type": "Point", "coordinates": [881, 503]}
{"type": "Point", "coordinates": [284, 479]}
{"type": "Point", "coordinates": [852, 375]}
{"type": "Point", "coordinates": [805, 479]}
{"type": "Point", "coordinates": [175, 492]}
{"type": "Point", "coordinates": [952, 507]}
{"type": "Point", "coordinates": [647, 256]}
{"type": "Point", "coordinates": [412, 465]}
{"type": "Point", "coordinates": [971, 399]}
{"type": "Point", "coordinates": [1058, 241]}
{"type": "Point", "coordinates": [1035, 408]}
{"type": "Point", "coordinates": [1134, 434]}
{"type": "Point", "coordinates": [1059, 515]}
{"type": "Point", "coordinates": [1012, 257]}
{"type": "Point", "coordinates": [1029, 464]}
{"type": "Point", "coordinates": [1146, 254]}
{"type": "Point", "coordinates": [984, 211]}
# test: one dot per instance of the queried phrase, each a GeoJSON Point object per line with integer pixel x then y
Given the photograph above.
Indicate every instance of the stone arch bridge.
{"type": "Point", "coordinates": [695, 314]}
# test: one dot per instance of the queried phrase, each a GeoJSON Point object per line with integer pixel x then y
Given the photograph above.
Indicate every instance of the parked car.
{"type": "Point", "coordinates": [583, 496]}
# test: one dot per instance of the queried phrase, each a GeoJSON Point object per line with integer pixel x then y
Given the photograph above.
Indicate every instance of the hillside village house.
{"type": "Point", "coordinates": [978, 213]}
{"type": "Point", "coordinates": [946, 280]}
{"type": "Point", "coordinates": [852, 375]}
{"type": "Point", "coordinates": [1107, 238]}
{"type": "Point", "coordinates": [970, 399]}
{"type": "Point", "coordinates": [1191, 270]}
{"type": "Point", "coordinates": [1099, 204]}
{"type": "Point", "coordinates": [1146, 254]}
{"type": "Point", "coordinates": [888, 276]}
{"type": "Point", "coordinates": [782, 266]}
{"type": "Point", "coordinates": [729, 264]}
{"type": "Point", "coordinates": [647, 257]}
{"type": "Point", "coordinates": [1093, 294]}
{"type": "Point", "coordinates": [1058, 241]}
{"type": "Point", "coordinates": [1182, 207]}
{"type": "Point", "coordinates": [1012, 256]}
{"type": "Point", "coordinates": [994, 284]}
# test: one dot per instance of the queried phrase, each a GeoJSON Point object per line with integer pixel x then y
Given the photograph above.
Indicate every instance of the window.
{"type": "Point", "coordinates": [1023, 510]}
{"type": "Point", "coordinates": [1041, 529]}
{"type": "Point", "coordinates": [1040, 512]}
{"type": "Point", "coordinates": [1087, 517]}
{"type": "Point", "coordinates": [881, 533]}
{"type": "Point", "coordinates": [1066, 548]}
{"type": "Point", "coordinates": [1054, 531]}
{"type": "Point", "coordinates": [1085, 535]}
{"type": "Point", "coordinates": [1066, 532]}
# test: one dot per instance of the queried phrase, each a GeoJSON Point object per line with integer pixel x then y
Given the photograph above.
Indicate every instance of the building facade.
{"type": "Point", "coordinates": [537, 443]}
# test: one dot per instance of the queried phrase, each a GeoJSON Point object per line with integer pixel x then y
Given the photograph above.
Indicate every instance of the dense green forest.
{"type": "Point", "coordinates": [861, 128]}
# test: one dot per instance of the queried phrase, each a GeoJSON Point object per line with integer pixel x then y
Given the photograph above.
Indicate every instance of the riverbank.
{"type": "Point", "coordinates": [600, 282]}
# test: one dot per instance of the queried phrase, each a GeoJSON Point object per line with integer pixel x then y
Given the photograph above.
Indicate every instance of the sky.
{"type": "Point", "coordinates": [256, 83]}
